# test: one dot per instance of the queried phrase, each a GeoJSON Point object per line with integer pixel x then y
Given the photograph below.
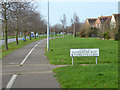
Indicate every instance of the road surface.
{"type": "Point", "coordinates": [10, 40]}
{"type": "Point", "coordinates": [35, 72]}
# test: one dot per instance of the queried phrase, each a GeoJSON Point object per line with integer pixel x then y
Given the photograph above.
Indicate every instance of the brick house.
{"type": "Point", "coordinates": [114, 20]}
{"type": "Point", "coordinates": [90, 22]}
{"type": "Point", "coordinates": [102, 20]}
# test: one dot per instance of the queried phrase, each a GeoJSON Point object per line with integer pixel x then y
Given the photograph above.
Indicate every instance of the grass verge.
{"type": "Point", "coordinates": [12, 46]}
{"type": "Point", "coordinates": [102, 75]}
{"type": "Point", "coordinates": [60, 50]}
{"type": "Point", "coordinates": [90, 76]}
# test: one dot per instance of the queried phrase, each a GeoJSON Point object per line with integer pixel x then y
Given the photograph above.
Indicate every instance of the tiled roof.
{"type": "Point", "coordinates": [105, 18]}
{"type": "Point", "coordinates": [92, 20]}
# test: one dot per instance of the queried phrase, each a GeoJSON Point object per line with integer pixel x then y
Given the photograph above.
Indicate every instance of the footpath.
{"type": "Point", "coordinates": [35, 71]}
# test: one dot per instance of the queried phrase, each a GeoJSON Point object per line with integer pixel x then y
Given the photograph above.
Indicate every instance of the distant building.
{"type": "Point", "coordinates": [102, 20]}
{"type": "Point", "coordinates": [114, 20]}
{"type": "Point", "coordinates": [90, 22]}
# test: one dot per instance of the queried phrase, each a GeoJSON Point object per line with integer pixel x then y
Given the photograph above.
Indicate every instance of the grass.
{"type": "Point", "coordinates": [12, 46]}
{"type": "Point", "coordinates": [60, 50]}
{"type": "Point", "coordinates": [102, 75]}
{"type": "Point", "coordinates": [91, 76]}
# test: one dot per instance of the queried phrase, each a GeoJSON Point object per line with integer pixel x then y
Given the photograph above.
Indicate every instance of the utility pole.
{"type": "Point", "coordinates": [48, 29]}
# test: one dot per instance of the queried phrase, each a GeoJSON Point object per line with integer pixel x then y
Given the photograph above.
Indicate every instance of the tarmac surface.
{"type": "Point", "coordinates": [36, 71]}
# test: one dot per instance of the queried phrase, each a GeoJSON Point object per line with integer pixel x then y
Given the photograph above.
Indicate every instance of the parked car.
{"type": "Point", "coordinates": [36, 34]}
{"type": "Point", "coordinates": [32, 35]}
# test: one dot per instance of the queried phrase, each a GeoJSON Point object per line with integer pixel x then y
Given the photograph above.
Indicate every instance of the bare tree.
{"type": "Point", "coordinates": [21, 17]}
{"type": "Point", "coordinates": [64, 22]}
{"type": "Point", "coordinates": [58, 28]}
{"type": "Point", "coordinates": [5, 17]}
{"type": "Point", "coordinates": [75, 24]}
{"type": "Point", "coordinates": [19, 11]}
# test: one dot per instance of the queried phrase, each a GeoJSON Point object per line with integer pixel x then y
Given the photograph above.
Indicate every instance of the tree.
{"type": "Point", "coordinates": [75, 24]}
{"type": "Point", "coordinates": [21, 17]}
{"type": "Point", "coordinates": [58, 28]}
{"type": "Point", "coordinates": [64, 22]}
{"type": "Point", "coordinates": [19, 12]}
{"type": "Point", "coordinates": [5, 17]}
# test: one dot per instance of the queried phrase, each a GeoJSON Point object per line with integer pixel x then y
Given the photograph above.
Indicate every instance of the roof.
{"type": "Point", "coordinates": [91, 20]}
{"type": "Point", "coordinates": [105, 18]}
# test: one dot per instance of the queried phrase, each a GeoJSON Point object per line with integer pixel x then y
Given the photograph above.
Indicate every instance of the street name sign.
{"type": "Point", "coordinates": [84, 52]}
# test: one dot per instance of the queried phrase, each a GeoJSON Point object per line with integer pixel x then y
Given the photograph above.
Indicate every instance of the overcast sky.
{"type": "Point", "coordinates": [82, 9]}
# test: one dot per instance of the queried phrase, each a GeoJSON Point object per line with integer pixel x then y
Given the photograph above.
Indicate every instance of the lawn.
{"type": "Point", "coordinates": [60, 50]}
{"type": "Point", "coordinates": [102, 75]}
{"type": "Point", "coordinates": [90, 76]}
{"type": "Point", "coordinates": [12, 46]}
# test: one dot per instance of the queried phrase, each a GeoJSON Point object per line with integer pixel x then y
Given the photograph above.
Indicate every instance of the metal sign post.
{"type": "Point", "coordinates": [96, 59]}
{"type": "Point", "coordinates": [72, 60]}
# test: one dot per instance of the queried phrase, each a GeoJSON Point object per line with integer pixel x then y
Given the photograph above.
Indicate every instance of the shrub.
{"type": "Point", "coordinates": [117, 36]}
{"type": "Point", "coordinates": [78, 34]}
{"type": "Point", "coordinates": [106, 35]}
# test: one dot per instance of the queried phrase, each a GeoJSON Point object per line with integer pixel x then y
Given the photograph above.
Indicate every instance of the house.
{"type": "Point", "coordinates": [114, 20]}
{"type": "Point", "coordinates": [102, 20]}
{"type": "Point", "coordinates": [90, 22]}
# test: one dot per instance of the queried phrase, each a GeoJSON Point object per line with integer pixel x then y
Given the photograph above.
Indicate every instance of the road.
{"type": "Point", "coordinates": [10, 40]}
{"type": "Point", "coordinates": [35, 71]}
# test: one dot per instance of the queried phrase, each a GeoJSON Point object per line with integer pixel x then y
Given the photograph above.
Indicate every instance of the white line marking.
{"type": "Point", "coordinates": [10, 83]}
{"type": "Point", "coordinates": [29, 54]}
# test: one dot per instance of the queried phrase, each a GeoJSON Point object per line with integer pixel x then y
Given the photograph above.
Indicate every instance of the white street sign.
{"type": "Point", "coordinates": [84, 52]}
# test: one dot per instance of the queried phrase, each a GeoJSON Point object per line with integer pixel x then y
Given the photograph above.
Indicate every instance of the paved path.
{"type": "Point", "coordinates": [36, 71]}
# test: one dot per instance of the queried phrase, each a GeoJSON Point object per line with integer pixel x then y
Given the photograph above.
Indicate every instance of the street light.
{"type": "Point", "coordinates": [48, 29]}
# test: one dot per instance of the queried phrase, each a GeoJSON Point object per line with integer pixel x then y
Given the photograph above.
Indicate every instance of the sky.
{"type": "Point", "coordinates": [83, 10]}
{"type": "Point", "coordinates": [76, 0]}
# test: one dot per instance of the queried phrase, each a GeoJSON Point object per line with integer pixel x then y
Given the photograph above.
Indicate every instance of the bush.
{"type": "Point", "coordinates": [106, 35]}
{"type": "Point", "coordinates": [82, 34]}
{"type": "Point", "coordinates": [117, 36]}
{"type": "Point", "coordinates": [78, 34]}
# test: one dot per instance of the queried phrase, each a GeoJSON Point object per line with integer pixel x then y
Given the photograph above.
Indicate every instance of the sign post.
{"type": "Point", "coordinates": [84, 52]}
{"type": "Point", "coordinates": [72, 60]}
{"type": "Point", "coordinates": [96, 59]}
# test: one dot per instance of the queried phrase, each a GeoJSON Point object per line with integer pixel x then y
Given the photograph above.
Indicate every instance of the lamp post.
{"type": "Point", "coordinates": [48, 29]}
